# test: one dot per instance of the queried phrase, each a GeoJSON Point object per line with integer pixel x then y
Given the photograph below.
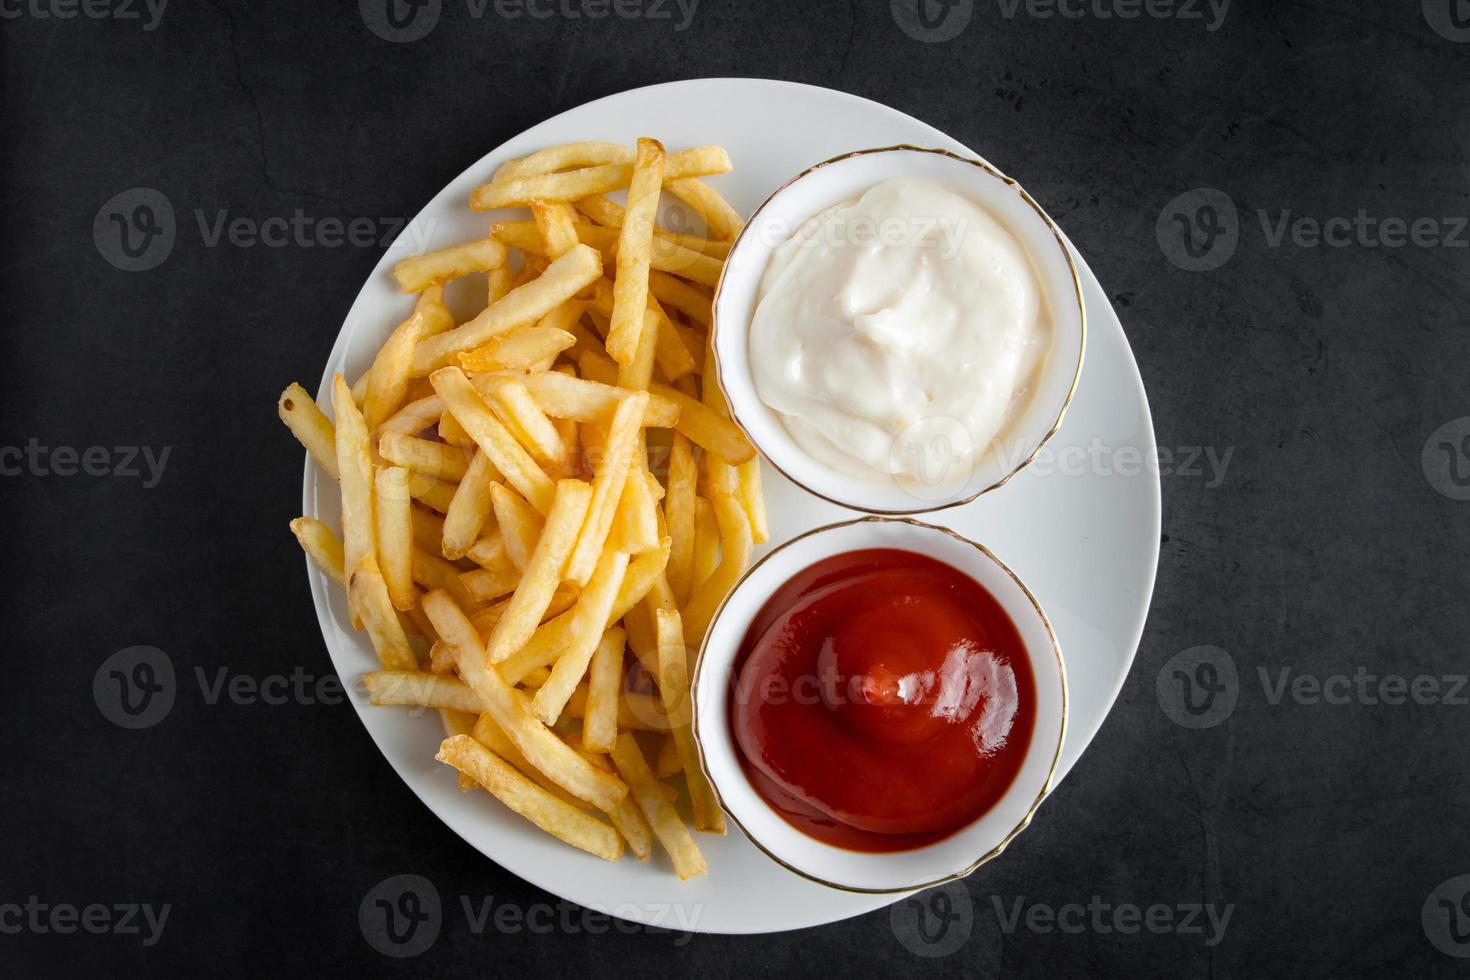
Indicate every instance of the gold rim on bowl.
{"type": "Point", "coordinates": [698, 673]}
{"type": "Point", "coordinates": [1076, 286]}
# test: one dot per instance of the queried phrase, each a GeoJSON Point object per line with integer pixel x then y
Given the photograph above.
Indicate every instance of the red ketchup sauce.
{"type": "Point", "coordinates": [883, 700]}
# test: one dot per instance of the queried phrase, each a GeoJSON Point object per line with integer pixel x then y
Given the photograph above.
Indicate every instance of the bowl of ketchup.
{"type": "Point", "coordinates": [880, 705]}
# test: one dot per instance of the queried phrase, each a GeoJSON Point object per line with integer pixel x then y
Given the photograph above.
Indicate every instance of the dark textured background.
{"type": "Point", "coordinates": [1325, 548]}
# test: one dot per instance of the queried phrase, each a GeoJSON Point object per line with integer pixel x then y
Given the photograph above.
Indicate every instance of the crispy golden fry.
{"type": "Point", "coordinates": [354, 462]}
{"type": "Point", "coordinates": [470, 507]}
{"type": "Point", "coordinates": [637, 374]}
{"type": "Point", "coordinates": [520, 525]}
{"type": "Point", "coordinates": [609, 214]}
{"type": "Point", "coordinates": [680, 295]}
{"type": "Point", "coordinates": [310, 425]}
{"type": "Point", "coordinates": [577, 184]}
{"type": "Point", "coordinates": [432, 268]}
{"type": "Point", "coordinates": [667, 763]}
{"type": "Point", "coordinates": [607, 485]}
{"type": "Point", "coordinates": [679, 515]}
{"type": "Point", "coordinates": [428, 529]}
{"type": "Point", "coordinates": [420, 689]}
{"type": "Point", "coordinates": [551, 640]}
{"type": "Point", "coordinates": [720, 218]}
{"type": "Point", "coordinates": [635, 523]}
{"type": "Point", "coordinates": [707, 428]}
{"type": "Point", "coordinates": [430, 306]}
{"type": "Point", "coordinates": [635, 250]}
{"type": "Point", "coordinates": [523, 305]}
{"type": "Point", "coordinates": [625, 816]}
{"type": "Point", "coordinates": [415, 417]}
{"type": "Point", "coordinates": [388, 377]}
{"type": "Point", "coordinates": [604, 683]}
{"type": "Point", "coordinates": [519, 469]}
{"type": "Point", "coordinates": [673, 687]}
{"type": "Point", "coordinates": [583, 634]}
{"type": "Point", "coordinates": [437, 459]}
{"type": "Point", "coordinates": [321, 546]}
{"type": "Point", "coordinates": [485, 584]}
{"type": "Point", "coordinates": [563, 396]}
{"type": "Point", "coordinates": [588, 153]}
{"type": "Point", "coordinates": [498, 282]}
{"type": "Point", "coordinates": [493, 737]}
{"type": "Point", "coordinates": [599, 368]}
{"type": "Point", "coordinates": [564, 598]}
{"type": "Point", "coordinates": [662, 816]}
{"type": "Point", "coordinates": [641, 712]}
{"type": "Point", "coordinates": [393, 514]}
{"type": "Point", "coordinates": [549, 813]}
{"type": "Point", "coordinates": [433, 493]}
{"type": "Point", "coordinates": [543, 571]}
{"type": "Point", "coordinates": [706, 544]}
{"type": "Point", "coordinates": [452, 432]}
{"type": "Point", "coordinates": [754, 500]}
{"type": "Point", "coordinates": [489, 552]}
{"type": "Point", "coordinates": [433, 572]}
{"type": "Point", "coordinates": [556, 223]}
{"type": "Point", "coordinates": [512, 712]}
{"type": "Point", "coordinates": [514, 406]}
{"type": "Point", "coordinates": [735, 550]}
{"type": "Point", "coordinates": [517, 350]}
{"type": "Point", "coordinates": [369, 597]}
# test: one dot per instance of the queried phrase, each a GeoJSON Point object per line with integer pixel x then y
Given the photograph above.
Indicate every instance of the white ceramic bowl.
{"type": "Point", "coordinates": [966, 849]}
{"type": "Point", "coordinates": [840, 179]}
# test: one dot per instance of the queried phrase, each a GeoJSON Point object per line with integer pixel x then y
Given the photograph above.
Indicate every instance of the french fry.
{"type": "Point", "coordinates": [640, 712]}
{"type": "Point", "coordinates": [415, 417]}
{"type": "Point", "coordinates": [706, 544]}
{"type": "Point", "coordinates": [433, 493]}
{"type": "Point", "coordinates": [667, 763]}
{"type": "Point", "coordinates": [625, 816]}
{"type": "Point", "coordinates": [489, 551]}
{"type": "Point", "coordinates": [470, 507]}
{"type": "Point", "coordinates": [635, 249]}
{"type": "Point", "coordinates": [609, 214]}
{"type": "Point", "coordinates": [520, 525]}
{"type": "Point", "coordinates": [588, 153]}
{"type": "Point", "coordinates": [428, 529]}
{"type": "Point", "coordinates": [354, 463]}
{"type": "Point", "coordinates": [437, 459]}
{"type": "Point", "coordinates": [420, 689]}
{"type": "Point", "coordinates": [369, 597]}
{"type": "Point", "coordinates": [393, 516]}
{"type": "Point", "coordinates": [498, 282]}
{"type": "Point", "coordinates": [707, 428]}
{"type": "Point", "coordinates": [525, 304]}
{"type": "Point", "coordinates": [543, 571]}
{"type": "Point", "coordinates": [680, 295]}
{"type": "Point", "coordinates": [720, 218]}
{"type": "Point", "coordinates": [679, 515]}
{"type": "Point", "coordinates": [433, 572]}
{"type": "Point", "coordinates": [577, 184]}
{"type": "Point", "coordinates": [310, 425]}
{"type": "Point", "coordinates": [452, 432]}
{"type": "Point", "coordinates": [562, 396]}
{"type": "Point", "coordinates": [637, 374]}
{"type": "Point", "coordinates": [388, 377]}
{"type": "Point", "coordinates": [552, 815]}
{"type": "Point", "coordinates": [661, 815]}
{"type": "Point", "coordinates": [584, 634]}
{"type": "Point", "coordinates": [552, 638]}
{"type": "Point", "coordinates": [321, 546]}
{"type": "Point", "coordinates": [753, 500]}
{"type": "Point", "coordinates": [519, 469]}
{"type": "Point", "coordinates": [604, 682]}
{"type": "Point", "coordinates": [607, 485]}
{"type": "Point", "coordinates": [673, 687]}
{"type": "Point", "coordinates": [635, 522]}
{"type": "Point", "coordinates": [493, 737]}
{"type": "Point", "coordinates": [599, 368]}
{"type": "Point", "coordinates": [512, 712]}
{"type": "Point", "coordinates": [735, 549]}
{"type": "Point", "coordinates": [517, 350]}
{"type": "Point", "coordinates": [433, 268]}
{"type": "Point", "coordinates": [564, 598]}
{"type": "Point", "coordinates": [430, 306]}
{"type": "Point", "coordinates": [515, 407]}
{"type": "Point", "coordinates": [486, 583]}
{"type": "Point", "coordinates": [556, 223]}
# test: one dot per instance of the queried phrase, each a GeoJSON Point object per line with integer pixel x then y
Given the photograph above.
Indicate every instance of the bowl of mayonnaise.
{"type": "Point", "coordinates": [899, 330]}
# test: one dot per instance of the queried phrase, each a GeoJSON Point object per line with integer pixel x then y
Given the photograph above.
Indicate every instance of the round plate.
{"type": "Point", "coordinates": [1082, 536]}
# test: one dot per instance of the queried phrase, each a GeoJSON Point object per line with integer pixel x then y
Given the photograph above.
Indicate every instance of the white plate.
{"type": "Point", "coordinates": [1083, 538]}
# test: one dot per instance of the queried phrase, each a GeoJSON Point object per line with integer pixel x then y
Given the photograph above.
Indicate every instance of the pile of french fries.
{"type": "Point", "coordinates": [507, 542]}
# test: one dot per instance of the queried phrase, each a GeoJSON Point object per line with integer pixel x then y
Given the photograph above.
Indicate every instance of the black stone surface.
{"type": "Point", "coordinates": [1331, 833]}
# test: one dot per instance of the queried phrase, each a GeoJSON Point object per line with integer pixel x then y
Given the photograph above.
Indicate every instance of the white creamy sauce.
{"type": "Point", "coordinates": [897, 334]}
